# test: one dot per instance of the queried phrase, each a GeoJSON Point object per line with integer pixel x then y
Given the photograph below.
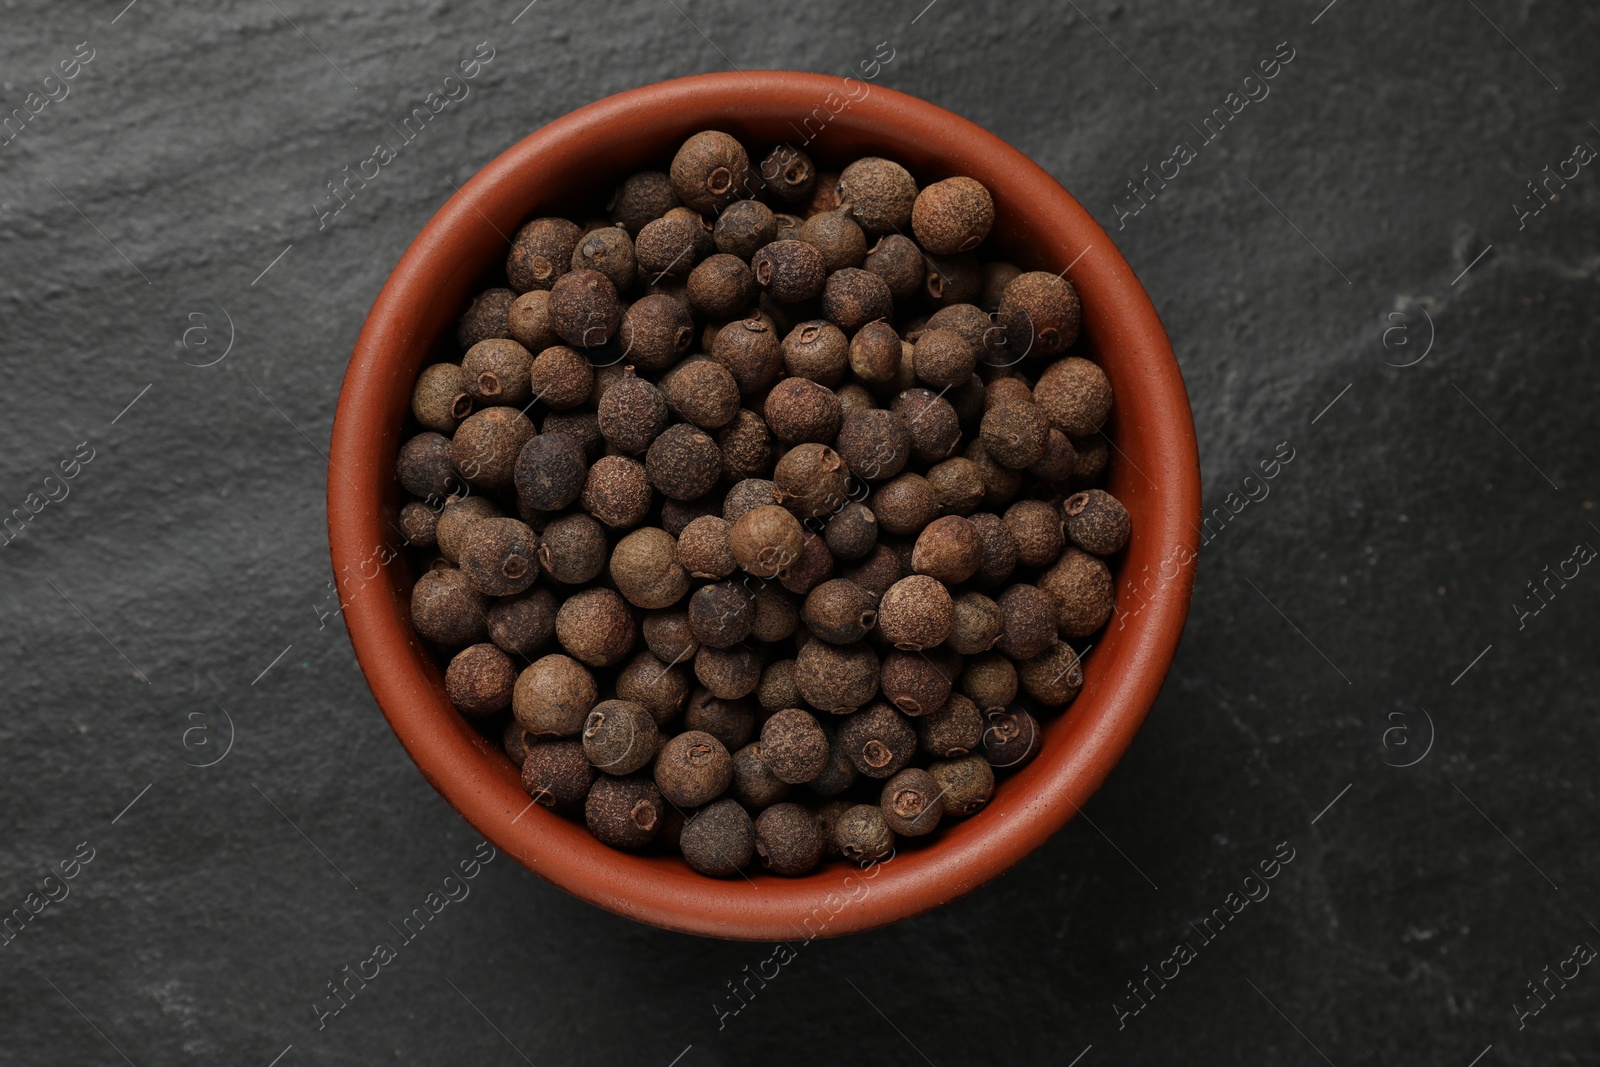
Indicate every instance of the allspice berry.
{"type": "Point", "coordinates": [645, 568]}
{"type": "Point", "coordinates": [703, 548]}
{"type": "Point", "coordinates": [683, 463]}
{"type": "Point", "coordinates": [777, 689]}
{"type": "Point", "coordinates": [656, 331]}
{"type": "Point", "coordinates": [556, 774]}
{"type": "Point", "coordinates": [943, 358]}
{"type": "Point", "coordinates": [479, 680]}
{"type": "Point", "coordinates": [617, 492]}
{"type": "Point", "coordinates": [852, 532]}
{"type": "Point", "coordinates": [744, 228]}
{"type": "Point", "coordinates": [1000, 550]}
{"type": "Point", "coordinates": [935, 430]}
{"type": "Point", "coordinates": [424, 466]}
{"type": "Point", "coordinates": [584, 309]}
{"type": "Point", "coordinates": [777, 617]}
{"type": "Point", "coordinates": [915, 682]}
{"type": "Point", "coordinates": [1059, 461]}
{"type": "Point", "coordinates": [745, 446]}
{"type": "Point", "coordinates": [693, 769]}
{"type": "Point", "coordinates": [665, 248]}
{"type": "Point", "coordinates": [719, 839]}
{"type": "Point", "coordinates": [500, 557]}
{"type": "Point", "coordinates": [668, 636]}
{"type": "Point", "coordinates": [1012, 738]}
{"type": "Point", "coordinates": [419, 524]}
{"type": "Point", "coordinates": [915, 613]}
{"type": "Point", "coordinates": [953, 280]}
{"type": "Point", "coordinates": [573, 549]}
{"type": "Point", "coordinates": [560, 377]}
{"type": "Point", "coordinates": [1041, 314]}
{"type": "Point", "coordinates": [815, 349]}
{"type": "Point", "coordinates": [814, 566]}
{"type": "Point", "coordinates": [553, 696]}
{"type": "Point", "coordinates": [788, 839]}
{"type": "Point", "coordinates": [1014, 434]}
{"type": "Point", "coordinates": [863, 835]}
{"type": "Point", "coordinates": [976, 625]}
{"type": "Point", "coordinates": [1096, 521]}
{"type": "Point", "coordinates": [953, 730]}
{"type": "Point", "coordinates": [540, 253]}
{"type": "Point", "coordinates": [948, 549]}
{"type": "Point", "coordinates": [711, 171]}
{"type": "Point", "coordinates": [904, 505]}
{"type": "Point", "coordinates": [1081, 585]}
{"type": "Point", "coordinates": [1000, 483]}
{"type": "Point", "coordinates": [792, 271]}
{"type": "Point", "coordinates": [899, 262]}
{"type": "Point", "coordinates": [838, 774]}
{"type": "Point", "coordinates": [997, 274]}
{"type": "Point", "coordinates": [793, 746]}
{"type": "Point", "coordinates": [989, 680]}
{"type": "Point", "coordinates": [582, 426]}
{"type": "Point", "coordinates": [729, 673]}
{"type": "Point", "coordinates": [608, 250]}
{"type": "Point", "coordinates": [440, 399]}
{"type": "Point", "coordinates": [549, 472]}
{"type": "Point", "coordinates": [788, 174]}
{"type": "Point", "coordinates": [910, 803]}
{"type": "Point", "coordinates": [837, 236]}
{"type": "Point", "coordinates": [969, 322]}
{"type": "Point", "coordinates": [619, 736]}
{"type": "Point", "coordinates": [487, 445]}
{"type": "Point", "coordinates": [875, 444]}
{"type": "Point", "coordinates": [1030, 615]}
{"type": "Point", "coordinates": [879, 570]}
{"type": "Point", "coordinates": [632, 414]}
{"type": "Point", "coordinates": [731, 721]}
{"type": "Point", "coordinates": [840, 612]}
{"type": "Point", "coordinates": [879, 194]}
{"type": "Point", "coordinates": [488, 316]}
{"type": "Point", "coordinates": [952, 216]}
{"type": "Point", "coordinates": [957, 485]}
{"type": "Point", "coordinates": [1053, 677]}
{"type": "Point", "coordinates": [754, 785]}
{"type": "Point", "coordinates": [745, 496]}
{"type": "Point", "coordinates": [703, 392]}
{"type": "Point", "coordinates": [751, 352]}
{"type": "Point", "coordinates": [811, 481]}
{"type": "Point", "coordinates": [641, 198]}
{"type": "Point", "coordinates": [875, 353]}
{"type": "Point", "coordinates": [594, 626]}
{"type": "Point", "coordinates": [528, 321]}
{"type": "Point", "coordinates": [965, 785]}
{"type": "Point", "coordinates": [1037, 527]}
{"type": "Point", "coordinates": [455, 517]}
{"type": "Point", "coordinates": [721, 286]}
{"type": "Point", "coordinates": [766, 541]}
{"type": "Point", "coordinates": [836, 678]}
{"type": "Point", "coordinates": [660, 687]}
{"type": "Point", "coordinates": [721, 614]}
{"type": "Point", "coordinates": [853, 297]}
{"type": "Point", "coordinates": [1075, 395]}
{"type": "Point", "coordinates": [798, 410]}
{"type": "Point", "coordinates": [1094, 452]}
{"type": "Point", "coordinates": [448, 610]}
{"type": "Point", "coordinates": [623, 812]}
{"type": "Point", "coordinates": [878, 740]}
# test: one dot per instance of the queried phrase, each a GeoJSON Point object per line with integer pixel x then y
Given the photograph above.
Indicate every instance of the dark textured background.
{"type": "Point", "coordinates": [191, 553]}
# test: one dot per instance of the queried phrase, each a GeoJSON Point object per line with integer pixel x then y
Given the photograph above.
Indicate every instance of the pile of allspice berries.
{"type": "Point", "coordinates": [766, 506]}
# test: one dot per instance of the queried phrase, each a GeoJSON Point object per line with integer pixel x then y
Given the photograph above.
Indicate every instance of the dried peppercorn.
{"type": "Point", "coordinates": [644, 566]}
{"type": "Point", "coordinates": [479, 680]}
{"type": "Point", "coordinates": [788, 839]}
{"type": "Point", "coordinates": [440, 399]}
{"type": "Point", "coordinates": [914, 682]}
{"type": "Point", "coordinates": [745, 445]}
{"type": "Point", "coordinates": [943, 358]}
{"type": "Point", "coordinates": [957, 485]}
{"type": "Point", "coordinates": [595, 626]}
{"type": "Point", "coordinates": [766, 540]}
{"type": "Point", "coordinates": [836, 678]}
{"type": "Point", "coordinates": [852, 531]}
{"type": "Point", "coordinates": [1014, 434]}
{"type": "Point", "coordinates": [556, 774]}
{"type": "Point", "coordinates": [1081, 585]}
{"type": "Point", "coordinates": [619, 736]}
{"type": "Point", "coordinates": [952, 216]}
{"type": "Point", "coordinates": [840, 612]}
{"type": "Point", "coordinates": [989, 680]}
{"type": "Point", "coordinates": [1094, 453]}
{"type": "Point", "coordinates": [572, 549]}
{"type": "Point", "coordinates": [582, 426]}
{"type": "Point", "coordinates": [528, 321]}
{"type": "Point", "coordinates": [1000, 484]}
{"type": "Point", "coordinates": [880, 194]}
{"type": "Point", "coordinates": [853, 297]}
{"type": "Point", "coordinates": [656, 331]}
{"type": "Point", "coordinates": [751, 351]}
{"type": "Point", "coordinates": [608, 250]}
{"type": "Point", "coordinates": [911, 804]}
{"type": "Point", "coordinates": [798, 410]}
{"type": "Point", "coordinates": [997, 274]}
{"type": "Point", "coordinates": [953, 280]}
{"type": "Point", "coordinates": [500, 557]}
{"type": "Point", "coordinates": [683, 463]}
{"type": "Point", "coordinates": [693, 768]}
{"type": "Point", "coordinates": [878, 571]}
{"type": "Point", "coordinates": [1096, 521]}
{"type": "Point", "coordinates": [617, 491]}
{"type": "Point", "coordinates": [729, 673]}
{"type": "Point", "coordinates": [948, 549]}
{"type": "Point", "coordinates": [746, 495]}
{"type": "Point", "coordinates": [953, 730]}
{"type": "Point", "coordinates": [935, 430]}
{"type": "Point", "coordinates": [863, 835]}
{"type": "Point", "coordinates": [446, 609]}
{"type": "Point", "coordinates": [815, 349]}
{"type": "Point", "coordinates": [1041, 314]}
{"type": "Point", "coordinates": [730, 720]}
{"type": "Point", "coordinates": [777, 690]}
{"type": "Point", "coordinates": [1011, 739]}
{"type": "Point", "coordinates": [623, 812]}
{"type": "Point", "coordinates": [875, 444]}
{"type": "Point", "coordinates": [668, 637]}
{"type": "Point", "coordinates": [744, 228]}
{"type": "Point", "coordinates": [419, 524]}
{"type": "Point", "coordinates": [711, 171]}
{"type": "Point", "coordinates": [719, 839]}
{"type": "Point", "coordinates": [549, 472]}
{"type": "Point", "coordinates": [553, 696]}
{"type": "Point", "coordinates": [584, 309]}
{"type": "Point", "coordinates": [811, 569]}
{"type": "Point", "coordinates": [904, 504]}
{"type": "Point", "coordinates": [721, 286]}
{"type": "Point", "coordinates": [540, 253]}
{"type": "Point", "coordinates": [642, 198]}
{"type": "Point", "coordinates": [703, 392]}
{"type": "Point", "coordinates": [976, 625]}
{"type": "Point", "coordinates": [424, 465]}
{"type": "Point", "coordinates": [1053, 677]}
{"type": "Point", "coordinates": [721, 614]}
{"type": "Point", "coordinates": [788, 174]}
{"type": "Point", "coordinates": [488, 316]}
{"type": "Point", "coordinates": [878, 740]}
{"type": "Point", "coordinates": [899, 262]}
{"type": "Point", "coordinates": [666, 248]}
{"type": "Point", "coordinates": [837, 236]}
{"type": "Point", "coordinates": [776, 615]}
{"type": "Point", "coordinates": [965, 785]}
{"type": "Point", "coordinates": [1037, 527]}
{"type": "Point", "coordinates": [793, 746]}
{"type": "Point", "coordinates": [875, 353]}
{"type": "Point", "coordinates": [790, 270]}
{"type": "Point", "coordinates": [703, 548]}
{"type": "Point", "coordinates": [455, 517]}
{"type": "Point", "coordinates": [660, 687]}
{"type": "Point", "coordinates": [1030, 621]}
{"type": "Point", "coordinates": [754, 785]}
{"type": "Point", "coordinates": [838, 774]}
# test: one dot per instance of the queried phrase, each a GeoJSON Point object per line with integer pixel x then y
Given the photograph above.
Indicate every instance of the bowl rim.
{"type": "Point", "coordinates": [1120, 685]}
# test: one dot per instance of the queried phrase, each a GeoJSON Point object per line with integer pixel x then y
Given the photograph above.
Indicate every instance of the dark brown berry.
{"type": "Point", "coordinates": [754, 785]}
{"type": "Point", "coordinates": [943, 358]}
{"type": "Point", "coordinates": [419, 524]}
{"type": "Point", "coordinates": [1011, 739]}
{"type": "Point", "coordinates": [791, 271]}
{"type": "Point", "coordinates": [878, 740]}
{"type": "Point", "coordinates": [766, 541]}
{"type": "Point", "coordinates": [584, 309]}
{"type": "Point", "coordinates": [550, 472]}
{"type": "Point", "coordinates": [814, 566]}
{"type": "Point", "coordinates": [965, 785]}
{"type": "Point", "coordinates": [729, 673]}
{"type": "Point", "coordinates": [656, 332]}
{"type": "Point", "coordinates": [852, 297]}
{"type": "Point", "coordinates": [777, 689]}
{"type": "Point", "coordinates": [623, 812]}
{"type": "Point", "coordinates": [811, 481]}
{"type": "Point", "coordinates": [911, 803]}
{"type": "Point", "coordinates": [719, 839]}
{"type": "Point", "coordinates": [595, 627]}
{"type": "Point", "coordinates": [875, 444]}
{"type": "Point", "coordinates": [619, 736]}
{"type": "Point", "coordinates": [953, 730]}
{"type": "Point", "coordinates": [528, 321]}
{"type": "Point", "coordinates": [668, 636]}
{"type": "Point", "coordinates": [1075, 395]}
{"type": "Point", "coordinates": [500, 557]}
{"type": "Point", "coordinates": [557, 774]}
{"type": "Point", "coordinates": [661, 688]}
{"type": "Point", "coordinates": [798, 410]}
{"type": "Point", "coordinates": [957, 485]}
{"type": "Point", "coordinates": [731, 721]}
{"type": "Point", "coordinates": [608, 250]}
{"type": "Point", "coordinates": [561, 378]}
{"type": "Point", "coordinates": [488, 316]}
{"type": "Point", "coordinates": [644, 566]}
{"type": "Point", "coordinates": [989, 680]}
{"type": "Point", "coordinates": [840, 612]}
{"type": "Point", "coordinates": [915, 613]}
{"type": "Point", "coordinates": [553, 696]}
{"type": "Point", "coordinates": [900, 263]}
{"type": "Point", "coordinates": [1081, 585]}
{"type": "Point", "coordinates": [617, 492]}
{"type": "Point", "coordinates": [935, 430]}
{"type": "Point", "coordinates": [703, 548]}
{"type": "Point", "coordinates": [446, 608]}
{"type": "Point", "coordinates": [793, 746]}
{"type": "Point", "coordinates": [788, 839]}
{"type": "Point", "coordinates": [1053, 677]}
{"type": "Point", "coordinates": [836, 678]}
{"type": "Point", "coordinates": [952, 216]}
{"type": "Point", "coordinates": [1096, 521]}
{"type": "Point", "coordinates": [904, 505]}
{"type": "Point", "coordinates": [852, 532]}
{"type": "Point", "coordinates": [703, 392]}
{"type": "Point", "coordinates": [455, 517]}
{"type": "Point", "coordinates": [479, 680]}
{"type": "Point", "coordinates": [1037, 527]}
{"type": "Point", "coordinates": [969, 322]}
{"type": "Point", "coordinates": [683, 463]}
{"type": "Point", "coordinates": [996, 276]}
{"type": "Point", "coordinates": [954, 280]}
{"type": "Point", "coordinates": [948, 549]}
{"type": "Point", "coordinates": [424, 465]}
{"type": "Point", "coordinates": [788, 174]}
{"type": "Point", "coordinates": [440, 399]}
{"type": "Point", "coordinates": [642, 198]}
{"type": "Point", "coordinates": [540, 253]}
{"type": "Point", "coordinates": [1014, 434]}
{"type": "Point", "coordinates": [838, 237]}
{"type": "Point", "coordinates": [879, 193]}
{"type": "Point", "coordinates": [875, 353]}
{"type": "Point", "coordinates": [721, 614]}
{"type": "Point", "coordinates": [1000, 484]}
{"type": "Point", "coordinates": [776, 615]}
{"type": "Point", "coordinates": [1030, 615]}
{"type": "Point", "coordinates": [572, 549]}
{"type": "Point", "coordinates": [721, 286]}
{"type": "Point", "coordinates": [916, 683]}
{"type": "Point", "coordinates": [666, 248]}
{"type": "Point", "coordinates": [816, 349]}
{"type": "Point", "coordinates": [1093, 454]}
{"type": "Point", "coordinates": [745, 446]}
{"type": "Point", "coordinates": [863, 836]}
{"type": "Point", "coordinates": [746, 495]}
{"type": "Point", "coordinates": [1041, 314]}
{"type": "Point", "coordinates": [711, 171]}
{"type": "Point", "coordinates": [582, 426]}
{"type": "Point", "coordinates": [744, 228]}
{"type": "Point", "coordinates": [693, 769]}
{"type": "Point", "coordinates": [976, 625]}
{"type": "Point", "coordinates": [878, 571]}
{"type": "Point", "coordinates": [751, 351]}
{"type": "Point", "coordinates": [838, 774]}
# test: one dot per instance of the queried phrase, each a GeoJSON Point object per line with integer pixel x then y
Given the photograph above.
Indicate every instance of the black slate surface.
{"type": "Point", "coordinates": [1302, 261]}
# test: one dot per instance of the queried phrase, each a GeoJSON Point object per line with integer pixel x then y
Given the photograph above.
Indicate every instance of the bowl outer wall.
{"type": "Point", "coordinates": [569, 163]}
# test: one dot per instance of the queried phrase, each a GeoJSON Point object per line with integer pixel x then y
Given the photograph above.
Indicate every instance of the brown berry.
{"type": "Point", "coordinates": [1011, 739]}
{"type": "Point", "coordinates": [641, 198]}
{"type": "Point", "coordinates": [617, 491]}
{"type": "Point", "coordinates": [645, 568]}
{"type": "Point", "coordinates": [840, 612]}
{"type": "Point", "coordinates": [852, 531]}
{"type": "Point", "coordinates": [965, 785]}
{"type": "Point", "coordinates": [656, 331]}
{"type": "Point", "coordinates": [457, 515]}
{"type": "Point", "coordinates": [766, 541]}
{"type": "Point", "coordinates": [721, 614]}
{"type": "Point", "coordinates": [703, 392]}
{"type": "Point", "coordinates": [500, 557]}
{"type": "Point", "coordinates": [744, 228]}
{"type": "Point", "coordinates": [729, 673]}
{"type": "Point", "coordinates": [915, 683]}
{"type": "Point", "coordinates": [863, 836]}
{"type": "Point", "coordinates": [904, 505]}
{"type": "Point", "coordinates": [619, 736]}
{"type": "Point", "coordinates": [1053, 677]}
{"type": "Point", "coordinates": [557, 774]}
{"type": "Point", "coordinates": [711, 171]}
{"type": "Point", "coordinates": [730, 721]}
{"type": "Point", "coordinates": [561, 377]}
{"type": "Point", "coordinates": [976, 624]}
{"type": "Point", "coordinates": [790, 270]}
{"type": "Point", "coordinates": [746, 495]}
{"type": "Point", "coordinates": [1037, 527]}
{"type": "Point", "coordinates": [915, 613]}
{"type": "Point", "coordinates": [879, 193]}
{"type": "Point", "coordinates": [528, 321]}
{"type": "Point", "coordinates": [446, 608]}
{"type": "Point", "coordinates": [1081, 585]}
{"type": "Point", "coordinates": [1030, 615]}
{"type": "Point", "coordinates": [1041, 314]}
{"type": "Point", "coordinates": [666, 248]}
{"type": "Point", "coordinates": [788, 839]}
{"type": "Point", "coordinates": [935, 430]}
{"type": "Point", "coordinates": [878, 740]}
{"type": "Point", "coordinates": [721, 286]}
{"type": "Point", "coordinates": [440, 399]}
{"type": "Point", "coordinates": [668, 636]}
{"type": "Point", "coordinates": [660, 687]}
{"type": "Point", "coordinates": [553, 696]}
{"type": "Point", "coordinates": [693, 769]}
{"type": "Point", "coordinates": [793, 746]}
{"type": "Point", "coordinates": [798, 410]}
{"type": "Point", "coordinates": [719, 839]}
{"type": "Point", "coordinates": [683, 463]}
{"type": "Point", "coordinates": [572, 549]}
{"type": "Point", "coordinates": [989, 680]}
{"type": "Point", "coordinates": [836, 678]}
{"type": "Point", "coordinates": [952, 216]}
{"type": "Point", "coordinates": [623, 812]}
{"type": "Point", "coordinates": [788, 174]}
{"type": "Point", "coordinates": [875, 444]}
{"type": "Point", "coordinates": [815, 349]}
{"type": "Point", "coordinates": [878, 571]}
{"type": "Point", "coordinates": [540, 253]}
{"type": "Point", "coordinates": [1000, 550]}
{"type": "Point", "coordinates": [953, 730]}
{"type": "Point", "coordinates": [595, 627]}
{"type": "Point", "coordinates": [703, 548]}
{"type": "Point", "coordinates": [424, 466]}
{"type": "Point", "coordinates": [957, 485]}
{"type": "Point", "coordinates": [751, 352]}
{"type": "Point", "coordinates": [1096, 521]}
{"type": "Point", "coordinates": [852, 297]}
{"type": "Point", "coordinates": [488, 316]}
{"type": "Point", "coordinates": [479, 680]}
{"type": "Point", "coordinates": [943, 358]}
{"type": "Point", "coordinates": [948, 549]}
{"type": "Point", "coordinates": [776, 615]}
{"type": "Point", "coordinates": [837, 236]}
{"type": "Point", "coordinates": [875, 353]}
{"type": "Point", "coordinates": [754, 785]}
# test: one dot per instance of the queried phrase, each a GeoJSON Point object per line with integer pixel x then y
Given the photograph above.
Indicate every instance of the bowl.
{"type": "Point", "coordinates": [566, 166]}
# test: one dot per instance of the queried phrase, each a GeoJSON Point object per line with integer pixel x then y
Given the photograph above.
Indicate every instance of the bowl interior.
{"type": "Point", "coordinates": [568, 168]}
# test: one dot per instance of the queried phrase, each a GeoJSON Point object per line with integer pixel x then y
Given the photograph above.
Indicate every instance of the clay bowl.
{"type": "Point", "coordinates": [566, 167]}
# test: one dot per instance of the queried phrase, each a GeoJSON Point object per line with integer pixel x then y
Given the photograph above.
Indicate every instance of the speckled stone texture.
{"type": "Point", "coordinates": [173, 196]}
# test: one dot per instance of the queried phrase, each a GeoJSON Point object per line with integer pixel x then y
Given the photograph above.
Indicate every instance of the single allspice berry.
{"type": "Point", "coordinates": [953, 730]}
{"type": "Point", "coordinates": [500, 557]}
{"type": "Point", "coordinates": [777, 689]}
{"type": "Point", "coordinates": [561, 377]}
{"type": "Point", "coordinates": [703, 548]}
{"type": "Point", "coordinates": [969, 322]}
{"type": "Point", "coordinates": [745, 496]}
{"type": "Point", "coordinates": [528, 321]}
{"type": "Point", "coordinates": [811, 481]}
{"type": "Point", "coordinates": [880, 194]}
{"type": "Point", "coordinates": [788, 174]}
{"type": "Point", "coordinates": [1096, 521]}
{"type": "Point", "coordinates": [948, 549]}
{"type": "Point", "coordinates": [728, 673]}
{"type": "Point", "coordinates": [419, 524]}
{"type": "Point", "coordinates": [608, 250]}
{"type": "Point", "coordinates": [752, 353]}
{"type": "Point", "coordinates": [875, 352]}
{"type": "Point", "coordinates": [572, 549]}
{"type": "Point", "coordinates": [777, 616]}
{"type": "Point", "coordinates": [660, 687]}
{"type": "Point", "coordinates": [915, 613]}
{"type": "Point", "coordinates": [1041, 314]}
{"type": "Point", "coordinates": [863, 835]}
{"type": "Point", "coordinates": [595, 626]}
{"type": "Point", "coordinates": [719, 839]}
{"type": "Point", "coordinates": [852, 532]}
{"type": "Point", "coordinates": [623, 812]}
{"type": "Point", "coordinates": [642, 198]}
{"type": "Point", "coordinates": [943, 359]}
{"type": "Point", "coordinates": [754, 784]}
{"type": "Point", "coordinates": [744, 228]}
{"type": "Point", "coordinates": [448, 610]}
{"type": "Point", "coordinates": [957, 485]}
{"type": "Point", "coordinates": [904, 505]}
{"type": "Point", "coordinates": [1075, 396]}
{"type": "Point", "coordinates": [989, 680]}
{"type": "Point", "coordinates": [1094, 453]}
{"type": "Point", "coordinates": [488, 316]}
{"type": "Point", "coordinates": [1059, 461]}
{"type": "Point", "coordinates": [838, 237]}
{"type": "Point", "coordinates": [693, 769]}
{"type": "Point", "coordinates": [619, 736]}
{"type": "Point", "coordinates": [1081, 584]}
{"type": "Point", "coordinates": [656, 331]}
{"type": "Point", "coordinates": [553, 696]}
{"type": "Point", "coordinates": [550, 472]}
{"type": "Point", "coordinates": [1000, 483]}
{"type": "Point", "coordinates": [479, 680]}
{"type": "Point", "coordinates": [644, 566]}
{"type": "Point", "coordinates": [1014, 434]}
{"type": "Point", "coordinates": [840, 612]}
{"type": "Point", "coordinates": [584, 308]}
{"type": "Point", "coordinates": [1037, 527]}
{"type": "Point", "coordinates": [1012, 738]}
{"type": "Point", "coordinates": [540, 253]}
{"type": "Point", "coordinates": [878, 740]}
{"type": "Point", "coordinates": [731, 721]}
{"type": "Point", "coordinates": [911, 804]}
{"type": "Point", "coordinates": [440, 399]}
{"type": "Point", "coordinates": [875, 444]}
{"type": "Point", "coordinates": [877, 571]}
{"type": "Point", "coordinates": [934, 426]}
{"type": "Point", "coordinates": [721, 614]}
{"type": "Point", "coordinates": [582, 426]}
{"type": "Point", "coordinates": [617, 491]}
{"type": "Point", "coordinates": [899, 262]}
{"type": "Point", "coordinates": [952, 216]}
{"type": "Point", "coordinates": [556, 774]}
{"type": "Point", "coordinates": [1000, 550]}
{"type": "Point", "coordinates": [853, 397]}
{"type": "Point", "coordinates": [953, 280]}
{"type": "Point", "coordinates": [791, 270]}
{"type": "Point", "coordinates": [721, 286]}
{"type": "Point", "coordinates": [666, 248]}
{"type": "Point", "coordinates": [815, 349]}
{"type": "Point", "coordinates": [424, 466]}
{"type": "Point", "coordinates": [788, 839]}
{"type": "Point", "coordinates": [455, 517]}
{"type": "Point", "coordinates": [798, 410]}
{"type": "Point", "coordinates": [1030, 621]}
{"type": "Point", "coordinates": [668, 636]}
{"type": "Point", "coordinates": [711, 171]}
{"type": "Point", "coordinates": [766, 541]}
{"type": "Point", "coordinates": [703, 392]}
{"type": "Point", "coordinates": [853, 297]}
{"type": "Point", "coordinates": [1053, 677]}
{"type": "Point", "coordinates": [794, 746]}
{"type": "Point", "coordinates": [836, 678]}
{"type": "Point", "coordinates": [965, 784]}
{"type": "Point", "coordinates": [838, 774]}
{"type": "Point", "coordinates": [745, 445]}
{"type": "Point", "coordinates": [683, 463]}
{"type": "Point", "coordinates": [814, 566]}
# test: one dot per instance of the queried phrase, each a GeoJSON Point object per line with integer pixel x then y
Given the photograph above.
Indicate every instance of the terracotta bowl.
{"type": "Point", "coordinates": [569, 165]}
